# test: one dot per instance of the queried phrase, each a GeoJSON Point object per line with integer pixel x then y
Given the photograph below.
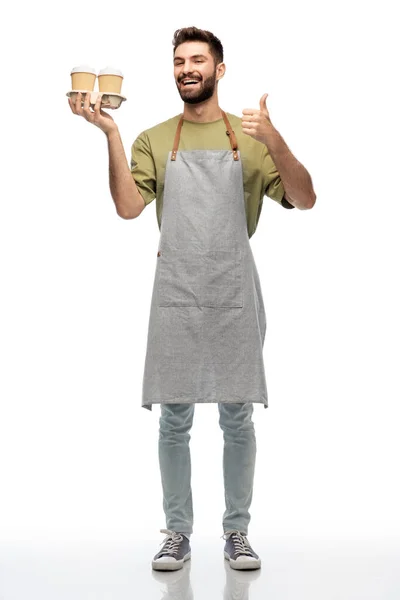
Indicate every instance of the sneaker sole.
{"type": "Point", "coordinates": [244, 565]}
{"type": "Point", "coordinates": [160, 565]}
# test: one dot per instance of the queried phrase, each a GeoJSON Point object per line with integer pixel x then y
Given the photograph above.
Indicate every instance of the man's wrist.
{"type": "Point", "coordinates": [114, 132]}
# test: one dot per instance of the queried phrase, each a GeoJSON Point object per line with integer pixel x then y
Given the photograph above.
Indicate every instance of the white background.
{"type": "Point", "coordinates": [78, 453]}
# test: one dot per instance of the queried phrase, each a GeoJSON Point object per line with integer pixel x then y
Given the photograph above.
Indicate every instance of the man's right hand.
{"type": "Point", "coordinates": [97, 116]}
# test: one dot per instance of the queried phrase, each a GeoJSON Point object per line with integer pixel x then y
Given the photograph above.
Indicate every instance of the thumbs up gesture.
{"type": "Point", "coordinates": [256, 123]}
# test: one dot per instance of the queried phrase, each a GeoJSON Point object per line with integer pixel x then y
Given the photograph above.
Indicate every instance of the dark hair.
{"type": "Point", "coordinates": [193, 34]}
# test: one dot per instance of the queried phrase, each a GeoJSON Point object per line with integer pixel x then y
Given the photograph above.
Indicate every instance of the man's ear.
{"type": "Point", "coordinates": [221, 68]}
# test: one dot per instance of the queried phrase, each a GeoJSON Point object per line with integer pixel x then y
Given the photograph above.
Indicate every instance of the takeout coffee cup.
{"type": "Point", "coordinates": [110, 80]}
{"type": "Point", "coordinates": [83, 78]}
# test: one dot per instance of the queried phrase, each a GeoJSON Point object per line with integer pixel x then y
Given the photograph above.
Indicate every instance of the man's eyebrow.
{"type": "Point", "coordinates": [194, 56]}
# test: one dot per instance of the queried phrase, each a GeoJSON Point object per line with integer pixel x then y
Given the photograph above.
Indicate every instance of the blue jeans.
{"type": "Point", "coordinates": [238, 464]}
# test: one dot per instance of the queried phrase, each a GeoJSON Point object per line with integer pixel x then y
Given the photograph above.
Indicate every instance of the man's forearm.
{"type": "Point", "coordinates": [126, 196]}
{"type": "Point", "coordinates": [295, 178]}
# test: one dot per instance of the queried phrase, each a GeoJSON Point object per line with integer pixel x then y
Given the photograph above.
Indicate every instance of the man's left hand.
{"type": "Point", "coordinates": [256, 123]}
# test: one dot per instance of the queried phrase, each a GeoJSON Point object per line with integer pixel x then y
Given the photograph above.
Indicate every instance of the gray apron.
{"type": "Point", "coordinates": [207, 320]}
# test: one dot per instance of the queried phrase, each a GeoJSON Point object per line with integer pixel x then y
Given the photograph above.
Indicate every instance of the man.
{"type": "Point", "coordinates": [209, 171]}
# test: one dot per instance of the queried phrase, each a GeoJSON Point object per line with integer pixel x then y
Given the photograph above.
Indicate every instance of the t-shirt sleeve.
{"type": "Point", "coordinates": [143, 167]}
{"type": "Point", "coordinates": [273, 185]}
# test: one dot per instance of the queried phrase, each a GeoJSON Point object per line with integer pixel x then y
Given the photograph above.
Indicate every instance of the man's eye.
{"type": "Point", "coordinates": [179, 64]}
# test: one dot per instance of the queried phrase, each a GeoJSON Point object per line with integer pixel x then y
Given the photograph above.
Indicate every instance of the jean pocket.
{"type": "Point", "coordinates": [191, 277]}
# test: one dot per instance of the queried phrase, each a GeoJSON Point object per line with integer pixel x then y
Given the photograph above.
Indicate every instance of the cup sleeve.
{"type": "Point", "coordinates": [143, 168]}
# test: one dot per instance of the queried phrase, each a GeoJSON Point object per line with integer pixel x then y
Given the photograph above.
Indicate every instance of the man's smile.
{"type": "Point", "coordinates": [189, 82]}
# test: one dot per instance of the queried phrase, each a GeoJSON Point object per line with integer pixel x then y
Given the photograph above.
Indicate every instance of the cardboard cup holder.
{"type": "Point", "coordinates": [108, 99]}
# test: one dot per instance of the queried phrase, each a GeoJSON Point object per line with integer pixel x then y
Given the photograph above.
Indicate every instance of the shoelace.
{"type": "Point", "coordinates": [240, 542]}
{"type": "Point", "coordinates": [171, 541]}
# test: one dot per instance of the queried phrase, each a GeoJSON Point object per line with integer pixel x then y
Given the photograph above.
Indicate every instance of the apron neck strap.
{"type": "Point", "coordinates": [230, 133]}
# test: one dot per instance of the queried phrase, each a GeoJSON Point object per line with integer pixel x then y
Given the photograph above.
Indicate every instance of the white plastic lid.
{"type": "Point", "coordinates": [110, 71]}
{"type": "Point", "coordinates": [83, 69]}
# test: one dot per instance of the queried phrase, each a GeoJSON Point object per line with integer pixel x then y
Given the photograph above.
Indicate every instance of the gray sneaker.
{"type": "Point", "coordinates": [175, 551]}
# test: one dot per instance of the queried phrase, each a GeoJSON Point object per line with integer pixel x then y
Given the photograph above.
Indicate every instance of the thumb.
{"type": "Point", "coordinates": [263, 102]}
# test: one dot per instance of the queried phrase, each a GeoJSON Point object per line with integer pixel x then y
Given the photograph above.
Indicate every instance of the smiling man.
{"type": "Point", "coordinates": [209, 171]}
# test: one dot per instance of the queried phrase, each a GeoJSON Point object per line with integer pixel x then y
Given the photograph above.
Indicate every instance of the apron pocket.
{"type": "Point", "coordinates": [222, 279]}
{"type": "Point", "coordinates": [190, 277]}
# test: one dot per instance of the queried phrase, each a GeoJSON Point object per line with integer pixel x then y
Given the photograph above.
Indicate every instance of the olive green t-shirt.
{"type": "Point", "coordinates": [150, 150]}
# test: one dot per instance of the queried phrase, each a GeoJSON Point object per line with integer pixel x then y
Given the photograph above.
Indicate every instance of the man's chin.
{"type": "Point", "coordinates": [198, 98]}
{"type": "Point", "coordinates": [191, 100]}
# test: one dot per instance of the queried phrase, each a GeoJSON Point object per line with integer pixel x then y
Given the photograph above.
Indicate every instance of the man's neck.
{"type": "Point", "coordinates": [204, 112]}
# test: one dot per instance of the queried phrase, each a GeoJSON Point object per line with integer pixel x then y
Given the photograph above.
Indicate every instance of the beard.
{"type": "Point", "coordinates": [205, 90]}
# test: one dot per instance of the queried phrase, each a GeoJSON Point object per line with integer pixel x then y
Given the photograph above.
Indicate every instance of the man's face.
{"type": "Point", "coordinates": [192, 60]}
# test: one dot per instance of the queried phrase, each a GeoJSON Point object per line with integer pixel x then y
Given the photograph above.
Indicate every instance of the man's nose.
{"type": "Point", "coordinates": [186, 68]}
